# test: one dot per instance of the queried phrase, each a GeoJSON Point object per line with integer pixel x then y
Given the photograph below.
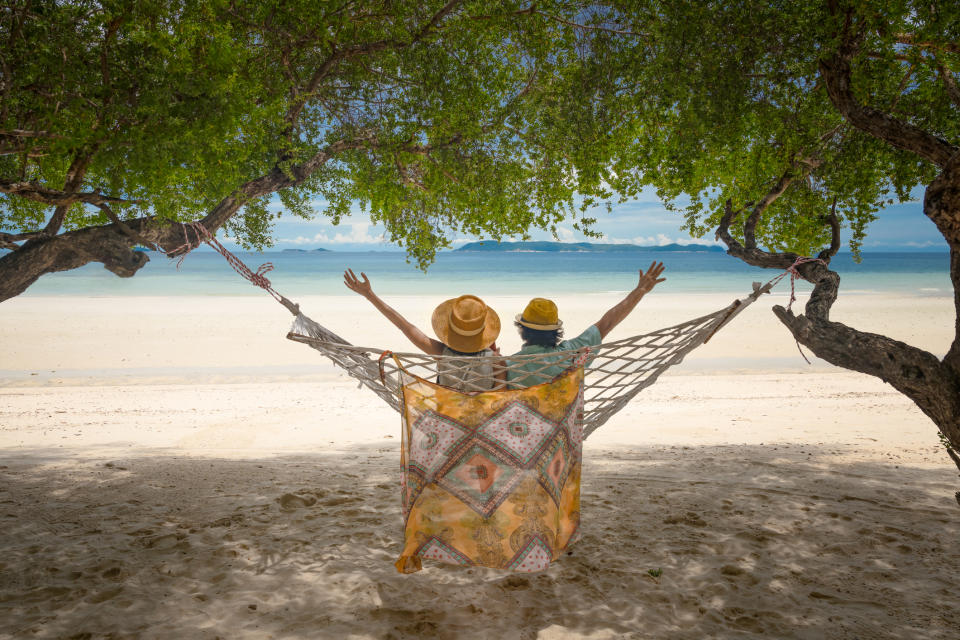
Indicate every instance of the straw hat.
{"type": "Point", "coordinates": [466, 324]}
{"type": "Point", "coordinates": [540, 314]}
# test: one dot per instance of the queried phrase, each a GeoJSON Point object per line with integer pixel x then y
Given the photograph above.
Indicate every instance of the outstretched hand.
{"type": "Point", "coordinates": [355, 284]}
{"type": "Point", "coordinates": [651, 278]}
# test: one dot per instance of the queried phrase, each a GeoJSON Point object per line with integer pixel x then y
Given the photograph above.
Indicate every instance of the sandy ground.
{"type": "Point", "coordinates": [173, 468]}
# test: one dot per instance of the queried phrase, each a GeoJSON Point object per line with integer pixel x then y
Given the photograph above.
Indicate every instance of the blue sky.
{"type": "Point", "coordinates": [644, 221]}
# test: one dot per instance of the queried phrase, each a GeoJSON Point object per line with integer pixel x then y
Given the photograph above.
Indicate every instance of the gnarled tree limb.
{"type": "Point", "coordinates": [113, 244]}
{"type": "Point", "coordinates": [949, 84]}
{"type": "Point", "coordinates": [835, 71]}
{"type": "Point", "coordinates": [932, 384]}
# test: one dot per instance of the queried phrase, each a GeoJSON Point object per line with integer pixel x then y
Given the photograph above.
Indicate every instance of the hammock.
{"type": "Point", "coordinates": [616, 371]}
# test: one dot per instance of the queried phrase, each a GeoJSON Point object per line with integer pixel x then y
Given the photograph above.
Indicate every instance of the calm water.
{"type": "Point", "coordinates": [299, 274]}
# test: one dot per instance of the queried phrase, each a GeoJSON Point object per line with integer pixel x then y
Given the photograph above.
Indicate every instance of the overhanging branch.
{"type": "Point", "coordinates": [932, 384]}
{"type": "Point", "coordinates": [112, 244]}
{"type": "Point", "coordinates": [836, 73]}
{"type": "Point", "coordinates": [55, 197]}
{"type": "Point", "coordinates": [338, 55]}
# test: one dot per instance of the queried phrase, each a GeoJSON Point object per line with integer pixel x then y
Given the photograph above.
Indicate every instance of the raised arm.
{"type": "Point", "coordinates": [622, 309]}
{"type": "Point", "coordinates": [421, 340]}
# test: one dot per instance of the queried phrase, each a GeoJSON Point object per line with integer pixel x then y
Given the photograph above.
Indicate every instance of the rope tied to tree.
{"type": "Point", "coordinates": [257, 278]}
{"type": "Point", "coordinates": [794, 274]}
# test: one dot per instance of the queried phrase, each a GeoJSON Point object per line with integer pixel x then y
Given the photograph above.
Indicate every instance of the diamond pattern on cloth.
{"type": "Point", "coordinates": [481, 478]}
{"type": "Point", "coordinates": [518, 430]}
{"type": "Point", "coordinates": [436, 549]}
{"type": "Point", "coordinates": [491, 478]}
{"type": "Point", "coordinates": [434, 437]}
{"type": "Point", "coordinates": [555, 466]}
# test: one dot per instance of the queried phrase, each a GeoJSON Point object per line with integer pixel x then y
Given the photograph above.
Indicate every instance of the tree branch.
{"type": "Point", "coordinates": [339, 55]}
{"type": "Point", "coordinates": [835, 71]}
{"type": "Point", "coordinates": [949, 84]}
{"type": "Point", "coordinates": [54, 197]}
{"type": "Point", "coordinates": [933, 385]}
{"type": "Point", "coordinates": [777, 190]}
{"type": "Point", "coordinates": [834, 222]}
{"type": "Point", "coordinates": [23, 133]}
{"type": "Point", "coordinates": [130, 233]}
{"type": "Point", "coordinates": [941, 203]}
{"type": "Point", "coordinates": [30, 152]}
{"type": "Point", "coordinates": [112, 244]}
{"type": "Point", "coordinates": [909, 38]}
{"type": "Point", "coordinates": [78, 169]}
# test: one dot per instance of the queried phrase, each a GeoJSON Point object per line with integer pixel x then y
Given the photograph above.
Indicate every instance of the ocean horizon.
{"type": "Point", "coordinates": [296, 273]}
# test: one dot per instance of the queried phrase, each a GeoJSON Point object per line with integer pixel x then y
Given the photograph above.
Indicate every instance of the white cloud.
{"type": "Point", "coordinates": [659, 240]}
{"type": "Point", "coordinates": [564, 234]}
{"type": "Point", "coordinates": [359, 234]}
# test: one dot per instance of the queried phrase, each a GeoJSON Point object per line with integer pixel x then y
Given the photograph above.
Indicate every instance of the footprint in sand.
{"type": "Point", "coordinates": [103, 596]}
{"type": "Point", "coordinates": [165, 542]}
{"type": "Point", "coordinates": [291, 501]}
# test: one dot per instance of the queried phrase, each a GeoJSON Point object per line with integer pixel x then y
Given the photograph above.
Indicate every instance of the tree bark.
{"type": "Point", "coordinates": [932, 384]}
{"type": "Point", "coordinates": [113, 244]}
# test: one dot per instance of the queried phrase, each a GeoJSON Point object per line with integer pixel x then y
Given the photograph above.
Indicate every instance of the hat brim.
{"type": "Point", "coordinates": [457, 342]}
{"type": "Point", "coordinates": [539, 327]}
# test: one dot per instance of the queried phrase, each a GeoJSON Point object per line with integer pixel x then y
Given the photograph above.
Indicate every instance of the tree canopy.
{"type": "Point", "coordinates": [727, 100]}
{"type": "Point", "coordinates": [430, 115]}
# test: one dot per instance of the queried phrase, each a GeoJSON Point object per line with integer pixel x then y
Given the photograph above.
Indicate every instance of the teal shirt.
{"type": "Point", "coordinates": [521, 375]}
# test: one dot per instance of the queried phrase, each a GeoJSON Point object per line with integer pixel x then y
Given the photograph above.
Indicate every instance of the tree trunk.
{"type": "Point", "coordinates": [933, 384]}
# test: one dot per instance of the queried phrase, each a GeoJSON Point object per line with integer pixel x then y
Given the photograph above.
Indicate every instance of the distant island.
{"type": "Point", "coordinates": [303, 250]}
{"type": "Point", "coordinates": [549, 246]}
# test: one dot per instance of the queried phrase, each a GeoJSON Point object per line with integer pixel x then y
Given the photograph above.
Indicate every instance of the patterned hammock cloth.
{"type": "Point", "coordinates": [491, 478]}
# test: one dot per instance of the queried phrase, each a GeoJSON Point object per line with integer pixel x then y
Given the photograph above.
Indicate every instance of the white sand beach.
{"type": "Point", "coordinates": [175, 468]}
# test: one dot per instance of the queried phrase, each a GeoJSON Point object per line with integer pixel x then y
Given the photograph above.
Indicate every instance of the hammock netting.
{"type": "Point", "coordinates": [616, 371]}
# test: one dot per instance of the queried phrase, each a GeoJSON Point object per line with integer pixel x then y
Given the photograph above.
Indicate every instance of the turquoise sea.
{"type": "Point", "coordinates": [297, 274]}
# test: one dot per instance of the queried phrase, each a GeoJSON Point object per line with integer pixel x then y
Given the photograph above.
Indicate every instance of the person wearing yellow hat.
{"type": "Point", "coordinates": [541, 330]}
{"type": "Point", "coordinates": [465, 326]}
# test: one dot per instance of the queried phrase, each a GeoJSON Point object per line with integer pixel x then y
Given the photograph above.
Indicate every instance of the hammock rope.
{"type": "Point", "coordinates": [616, 371]}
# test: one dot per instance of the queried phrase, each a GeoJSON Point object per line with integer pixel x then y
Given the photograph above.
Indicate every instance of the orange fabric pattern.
{"type": "Point", "coordinates": [491, 478]}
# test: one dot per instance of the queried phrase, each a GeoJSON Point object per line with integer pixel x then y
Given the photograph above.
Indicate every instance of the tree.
{"type": "Point", "coordinates": [782, 123]}
{"type": "Point", "coordinates": [120, 119]}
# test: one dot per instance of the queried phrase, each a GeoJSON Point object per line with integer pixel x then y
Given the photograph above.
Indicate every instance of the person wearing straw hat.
{"type": "Point", "coordinates": [541, 330]}
{"type": "Point", "coordinates": [466, 328]}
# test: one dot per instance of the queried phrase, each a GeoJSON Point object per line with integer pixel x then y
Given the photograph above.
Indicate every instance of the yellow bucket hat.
{"type": "Point", "coordinates": [540, 314]}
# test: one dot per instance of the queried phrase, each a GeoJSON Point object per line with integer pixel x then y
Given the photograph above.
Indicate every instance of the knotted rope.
{"type": "Point", "coordinates": [257, 278]}
{"type": "Point", "coordinates": [794, 274]}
